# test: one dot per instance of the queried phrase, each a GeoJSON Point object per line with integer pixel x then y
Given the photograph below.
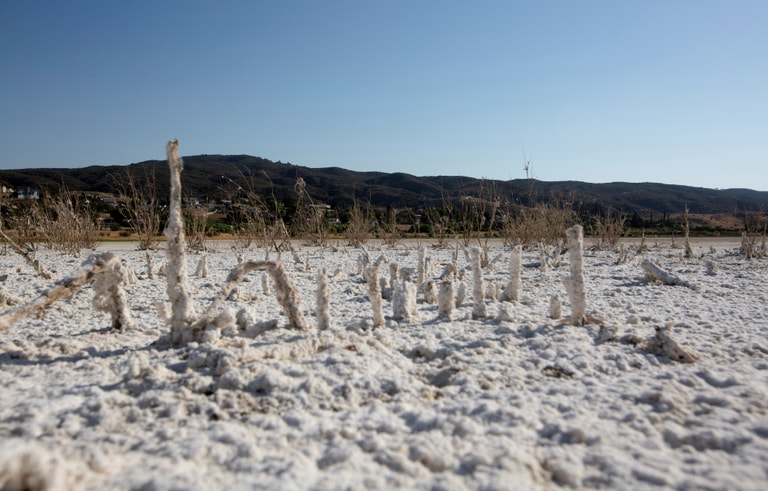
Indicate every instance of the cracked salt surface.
{"type": "Point", "coordinates": [527, 402]}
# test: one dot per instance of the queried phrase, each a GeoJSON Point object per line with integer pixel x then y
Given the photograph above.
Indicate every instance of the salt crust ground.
{"type": "Point", "coordinates": [531, 403]}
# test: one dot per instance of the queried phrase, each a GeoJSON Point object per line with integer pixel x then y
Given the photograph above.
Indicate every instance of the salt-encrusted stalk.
{"type": "Point", "coordinates": [285, 292]}
{"type": "Point", "coordinates": [177, 278]}
{"type": "Point", "coordinates": [108, 293]}
{"type": "Point", "coordinates": [711, 266]}
{"type": "Point", "coordinates": [478, 287]}
{"type": "Point", "coordinates": [420, 266]}
{"type": "Point", "coordinates": [202, 267]}
{"type": "Point", "coordinates": [129, 275]}
{"type": "Point", "coordinates": [393, 267]}
{"type": "Point", "coordinates": [511, 292]}
{"type": "Point", "coordinates": [688, 251]}
{"type": "Point", "coordinates": [363, 260]}
{"type": "Point", "coordinates": [150, 273]}
{"type": "Point", "coordinates": [449, 272]}
{"type": "Point", "coordinates": [104, 271]}
{"type": "Point", "coordinates": [622, 254]}
{"type": "Point", "coordinates": [542, 258]}
{"type": "Point", "coordinates": [404, 301]}
{"type": "Point", "coordinates": [374, 294]}
{"type": "Point", "coordinates": [555, 307]}
{"type": "Point", "coordinates": [461, 294]}
{"type": "Point", "coordinates": [39, 269]}
{"type": "Point", "coordinates": [383, 284]}
{"type": "Point", "coordinates": [323, 302]}
{"type": "Point", "coordinates": [430, 292]}
{"type": "Point", "coordinates": [455, 253]}
{"type": "Point", "coordinates": [445, 300]}
{"type": "Point", "coordinates": [264, 283]}
{"type": "Point", "coordinates": [492, 292]}
{"type": "Point", "coordinates": [574, 284]}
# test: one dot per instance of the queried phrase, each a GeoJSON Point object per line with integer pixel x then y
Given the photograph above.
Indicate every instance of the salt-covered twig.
{"type": "Point", "coordinates": [574, 284]}
{"type": "Point", "coordinates": [104, 271]}
{"type": "Point", "coordinates": [656, 274]}
{"type": "Point", "coordinates": [323, 303]}
{"type": "Point", "coordinates": [35, 263]}
{"type": "Point", "coordinates": [285, 292]}
{"type": "Point", "coordinates": [374, 294]}
{"type": "Point", "coordinates": [478, 287]}
{"type": "Point", "coordinates": [177, 278]}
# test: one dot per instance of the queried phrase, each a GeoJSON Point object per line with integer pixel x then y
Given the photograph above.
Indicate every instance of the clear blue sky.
{"type": "Point", "coordinates": [665, 91]}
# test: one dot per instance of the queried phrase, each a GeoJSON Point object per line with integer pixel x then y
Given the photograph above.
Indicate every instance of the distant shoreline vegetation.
{"type": "Point", "coordinates": [257, 200]}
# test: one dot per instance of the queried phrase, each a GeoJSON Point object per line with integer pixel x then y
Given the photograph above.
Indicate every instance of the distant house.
{"type": "Point", "coordinates": [105, 222]}
{"type": "Point", "coordinates": [6, 189]}
{"type": "Point", "coordinates": [28, 193]}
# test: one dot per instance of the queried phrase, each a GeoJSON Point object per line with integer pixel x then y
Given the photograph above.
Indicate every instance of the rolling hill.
{"type": "Point", "coordinates": [218, 176]}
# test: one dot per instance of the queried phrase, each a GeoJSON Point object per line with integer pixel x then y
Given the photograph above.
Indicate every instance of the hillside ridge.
{"type": "Point", "coordinates": [217, 175]}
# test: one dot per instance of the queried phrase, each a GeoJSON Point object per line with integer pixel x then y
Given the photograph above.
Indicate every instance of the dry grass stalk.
{"type": "Point", "coordinates": [35, 263]}
{"type": "Point", "coordinates": [357, 228]}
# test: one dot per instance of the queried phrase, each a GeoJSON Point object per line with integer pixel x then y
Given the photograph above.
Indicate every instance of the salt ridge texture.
{"type": "Point", "coordinates": [514, 400]}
